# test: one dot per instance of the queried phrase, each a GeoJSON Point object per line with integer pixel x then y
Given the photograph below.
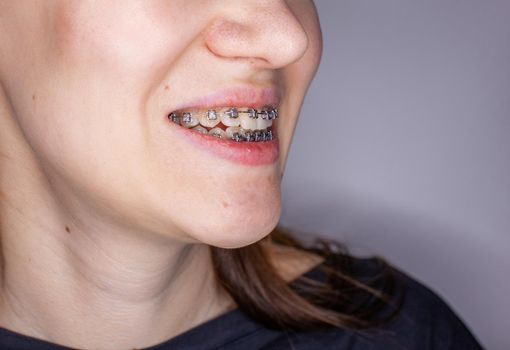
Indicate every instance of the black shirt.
{"type": "Point", "coordinates": [425, 322]}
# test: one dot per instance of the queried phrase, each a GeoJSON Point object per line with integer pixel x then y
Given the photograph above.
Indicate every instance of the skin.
{"type": "Point", "coordinates": [105, 218]}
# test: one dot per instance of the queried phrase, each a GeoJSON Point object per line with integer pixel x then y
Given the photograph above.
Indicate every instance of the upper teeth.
{"type": "Point", "coordinates": [212, 115]}
{"type": "Point", "coordinates": [188, 119]}
{"type": "Point", "coordinates": [232, 113]}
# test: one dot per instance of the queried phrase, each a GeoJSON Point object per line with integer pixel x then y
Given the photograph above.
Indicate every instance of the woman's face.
{"type": "Point", "coordinates": [91, 85]}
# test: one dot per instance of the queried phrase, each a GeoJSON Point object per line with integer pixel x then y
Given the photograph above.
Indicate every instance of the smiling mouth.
{"type": "Point", "coordinates": [230, 123]}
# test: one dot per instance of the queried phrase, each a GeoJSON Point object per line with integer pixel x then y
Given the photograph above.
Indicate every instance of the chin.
{"type": "Point", "coordinates": [239, 228]}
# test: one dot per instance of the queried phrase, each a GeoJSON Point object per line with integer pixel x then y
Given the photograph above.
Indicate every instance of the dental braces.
{"type": "Point", "coordinates": [212, 114]}
{"type": "Point", "coordinates": [245, 135]}
{"type": "Point", "coordinates": [255, 136]}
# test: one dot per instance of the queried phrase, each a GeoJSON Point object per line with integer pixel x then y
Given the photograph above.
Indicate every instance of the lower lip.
{"type": "Point", "coordinates": [243, 153]}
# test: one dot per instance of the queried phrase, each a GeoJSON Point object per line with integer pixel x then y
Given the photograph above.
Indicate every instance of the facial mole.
{"type": "Point", "coordinates": [34, 97]}
{"type": "Point", "coordinates": [225, 204]}
{"type": "Point", "coordinates": [167, 87]}
{"type": "Point", "coordinates": [68, 230]}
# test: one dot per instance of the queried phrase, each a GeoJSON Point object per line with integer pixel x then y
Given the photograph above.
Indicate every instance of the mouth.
{"type": "Point", "coordinates": [238, 124]}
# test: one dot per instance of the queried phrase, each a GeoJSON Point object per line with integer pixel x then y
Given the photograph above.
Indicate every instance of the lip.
{"type": "Point", "coordinates": [240, 153]}
{"type": "Point", "coordinates": [235, 97]}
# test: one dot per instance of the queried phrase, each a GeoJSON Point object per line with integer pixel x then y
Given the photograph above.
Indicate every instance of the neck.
{"type": "Point", "coordinates": [72, 277]}
{"type": "Point", "coordinates": [140, 291]}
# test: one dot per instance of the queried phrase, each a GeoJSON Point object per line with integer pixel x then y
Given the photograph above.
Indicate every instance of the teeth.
{"type": "Point", "coordinates": [247, 122]}
{"type": "Point", "coordinates": [263, 124]}
{"type": "Point", "coordinates": [173, 117]}
{"type": "Point", "coordinates": [234, 130]}
{"type": "Point", "coordinates": [243, 123]}
{"type": "Point", "coordinates": [249, 137]}
{"type": "Point", "coordinates": [209, 119]}
{"type": "Point", "coordinates": [273, 114]}
{"type": "Point", "coordinates": [238, 137]}
{"type": "Point", "coordinates": [269, 114]}
{"type": "Point", "coordinates": [232, 113]}
{"type": "Point", "coordinates": [211, 114]}
{"type": "Point", "coordinates": [218, 132]}
{"type": "Point", "coordinates": [254, 136]}
{"type": "Point", "coordinates": [252, 113]}
{"type": "Point", "coordinates": [188, 120]}
{"type": "Point", "coordinates": [200, 129]}
{"type": "Point", "coordinates": [230, 117]}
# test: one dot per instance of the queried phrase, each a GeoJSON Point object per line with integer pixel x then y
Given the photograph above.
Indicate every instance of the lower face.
{"type": "Point", "coordinates": [96, 100]}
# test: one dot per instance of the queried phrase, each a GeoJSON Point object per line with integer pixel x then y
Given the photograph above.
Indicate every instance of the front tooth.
{"type": "Point", "coordinates": [230, 131]}
{"type": "Point", "coordinates": [218, 132]}
{"type": "Point", "coordinates": [209, 119]}
{"type": "Point", "coordinates": [263, 123]}
{"type": "Point", "coordinates": [188, 120]}
{"type": "Point", "coordinates": [230, 117]}
{"type": "Point", "coordinates": [200, 129]}
{"type": "Point", "coordinates": [248, 122]}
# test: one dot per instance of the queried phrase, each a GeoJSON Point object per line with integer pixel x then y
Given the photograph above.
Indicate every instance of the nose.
{"type": "Point", "coordinates": [263, 33]}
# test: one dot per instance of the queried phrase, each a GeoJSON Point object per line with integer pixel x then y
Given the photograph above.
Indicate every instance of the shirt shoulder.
{"type": "Point", "coordinates": [425, 320]}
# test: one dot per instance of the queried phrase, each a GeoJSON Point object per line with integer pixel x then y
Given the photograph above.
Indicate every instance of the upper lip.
{"type": "Point", "coordinates": [251, 97]}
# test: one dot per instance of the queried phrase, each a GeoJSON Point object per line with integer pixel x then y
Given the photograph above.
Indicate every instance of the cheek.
{"type": "Point", "coordinates": [111, 37]}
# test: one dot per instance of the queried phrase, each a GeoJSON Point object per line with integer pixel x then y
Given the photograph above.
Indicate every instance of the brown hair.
{"type": "Point", "coordinates": [343, 301]}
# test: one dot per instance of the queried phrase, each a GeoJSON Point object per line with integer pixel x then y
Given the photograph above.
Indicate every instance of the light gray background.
{"type": "Point", "coordinates": [402, 147]}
